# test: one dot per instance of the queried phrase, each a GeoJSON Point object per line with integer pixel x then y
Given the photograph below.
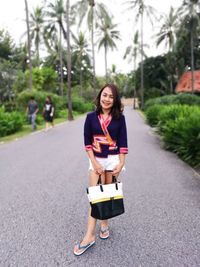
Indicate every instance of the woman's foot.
{"type": "Point", "coordinates": [104, 233]}
{"type": "Point", "coordinates": [81, 247]}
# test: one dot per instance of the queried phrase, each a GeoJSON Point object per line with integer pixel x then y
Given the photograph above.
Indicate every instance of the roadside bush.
{"type": "Point", "coordinates": [182, 136]}
{"type": "Point", "coordinates": [153, 114]}
{"type": "Point", "coordinates": [171, 112]}
{"type": "Point", "coordinates": [79, 105]}
{"type": "Point", "coordinates": [10, 122]}
{"type": "Point", "coordinates": [182, 99]}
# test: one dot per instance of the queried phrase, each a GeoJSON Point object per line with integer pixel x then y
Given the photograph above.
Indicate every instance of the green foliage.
{"type": "Point", "coordinates": [24, 97]}
{"type": "Point", "coordinates": [10, 122]}
{"type": "Point", "coordinates": [180, 127]}
{"type": "Point", "coordinates": [6, 45]}
{"type": "Point", "coordinates": [171, 113]}
{"type": "Point", "coordinates": [78, 104]}
{"type": "Point", "coordinates": [153, 93]}
{"type": "Point", "coordinates": [183, 136]}
{"type": "Point", "coordinates": [152, 114]}
{"type": "Point", "coordinates": [186, 99]}
{"type": "Point", "coordinates": [44, 79]}
{"type": "Point", "coordinates": [7, 76]}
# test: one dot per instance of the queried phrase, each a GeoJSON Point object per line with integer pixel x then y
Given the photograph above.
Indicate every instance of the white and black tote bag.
{"type": "Point", "coordinates": [106, 200]}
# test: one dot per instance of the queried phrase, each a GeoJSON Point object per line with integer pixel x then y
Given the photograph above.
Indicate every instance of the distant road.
{"type": "Point", "coordinates": [43, 203]}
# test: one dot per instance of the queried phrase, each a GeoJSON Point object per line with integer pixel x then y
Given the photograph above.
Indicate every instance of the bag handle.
{"type": "Point", "coordinates": [114, 180]}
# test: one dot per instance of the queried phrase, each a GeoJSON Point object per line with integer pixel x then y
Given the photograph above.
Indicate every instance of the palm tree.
{"type": "Point", "coordinates": [81, 55]}
{"type": "Point", "coordinates": [29, 45]}
{"type": "Point", "coordinates": [131, 53]}
{"type": "Point", "coordinates": [189, 11]}
{"type": "Point", "coordinates": [142, 9]}
{"type": "Point", "coordinates": [36, 29]}
{"type": "Point", "coordinates": [109, 34]}
{"type": "Point", "coordinates": [93, 11]}
{"type": "Point", "coordinates": [70, 115]}
{"type": "Point", "coordinates": [168, 34]}
{"type": "Point", "coordinates": [56, 13]}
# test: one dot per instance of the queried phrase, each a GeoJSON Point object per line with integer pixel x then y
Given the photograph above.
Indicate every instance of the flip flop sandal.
{"type": "Point", "coordinates": [83, 248]}
{"type": "Point", "coordinates": [104, 233]}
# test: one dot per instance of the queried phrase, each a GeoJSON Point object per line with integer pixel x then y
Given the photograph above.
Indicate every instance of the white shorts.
{"type": "Point", "coordinates": [108, 163]}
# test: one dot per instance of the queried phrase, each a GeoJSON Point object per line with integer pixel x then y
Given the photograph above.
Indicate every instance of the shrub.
{"type": "Point", "coordinates": [78, 104]}
{"type": "Point", "coordinates": [10, 122]}
{"type": "Point", "coordinates": [183, 136]}
{"type": "Point", "coordinates": [186, 99]}
{"type": "Point", "coordinates": [171, 112]}
{"type": "Point", "coordinates": [153, 113]}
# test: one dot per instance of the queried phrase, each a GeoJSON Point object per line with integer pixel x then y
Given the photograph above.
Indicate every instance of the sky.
{"type": "Point", "coordinates": [12, 18]}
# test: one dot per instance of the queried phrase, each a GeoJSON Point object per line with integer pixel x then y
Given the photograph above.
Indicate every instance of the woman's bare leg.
{"type": "Point", "coordinates": [104, 223]}
{"type": "Point", "coordinates": [91, 224]}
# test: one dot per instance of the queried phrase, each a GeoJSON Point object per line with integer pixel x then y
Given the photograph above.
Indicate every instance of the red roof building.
{"type": "Point", "coordinates": [185, 82]}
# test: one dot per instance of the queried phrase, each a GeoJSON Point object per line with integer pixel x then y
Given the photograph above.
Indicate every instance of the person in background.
{"type": "Point", "coordinates": [48, 112]}
{"type": "Point", "coordinates": [32, 110]}
{"type": "Point", "coordinates": [106, 153]}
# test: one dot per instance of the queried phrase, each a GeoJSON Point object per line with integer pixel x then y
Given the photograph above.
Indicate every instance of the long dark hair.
{"type": "Point", "coordinates": [48, 99]}
{"type": "Point", "coordinates": [117, 108]}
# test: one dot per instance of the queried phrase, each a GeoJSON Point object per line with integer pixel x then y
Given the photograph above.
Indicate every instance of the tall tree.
{"type": "Point", "coordinates": [29, 44]}
{"type": "Point", "coordinates": [55, 13]}
{"type": "Point", "coordinates": [108, 35]}
{"type": "Point", "coordinates": [142, 9]}
{"type": "Point", "coordinates": [93, 11]}
{"type": "Point", "coordinates": [190, 12]}
{"type": "Point", "coordinates": [81, 55]}
{"type": "Point", "coordinates": [70, 115]}
{"type": "Point", "coordinates": [131, 54]}
{"type": "Point", "coordinates": [36, 30]}
{"type": "Point", "coordinates": [168, 33]}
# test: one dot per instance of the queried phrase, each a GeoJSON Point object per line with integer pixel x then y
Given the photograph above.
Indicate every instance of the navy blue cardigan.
{"type": "Point", "coordinates": [95, 139]}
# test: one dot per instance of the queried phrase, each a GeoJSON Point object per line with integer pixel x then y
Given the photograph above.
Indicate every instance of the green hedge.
{"type": "Point", "coordinates": [10, 122]}
{"type": "Point", "coordinates": [179, 126]}
{"type": "Point", "coordinates": [152, 114]}
{"type": "Point", "coordinates": [79, 105]}
{"type": "Point", "coordinates": [182, 99]}
{"type": "Point", "coordinates": [182, 136]}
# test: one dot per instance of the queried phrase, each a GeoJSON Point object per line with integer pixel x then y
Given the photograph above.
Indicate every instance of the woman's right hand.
{"type": "Point", "coordinates": [97, 167]}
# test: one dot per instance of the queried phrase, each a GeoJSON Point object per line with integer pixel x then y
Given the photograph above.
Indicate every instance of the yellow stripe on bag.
{"type": "Point", "coordinates": [106, 199]}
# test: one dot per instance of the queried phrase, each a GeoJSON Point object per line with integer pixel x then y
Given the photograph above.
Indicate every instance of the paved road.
{"type": "Point", "coordinates": [43, 205]}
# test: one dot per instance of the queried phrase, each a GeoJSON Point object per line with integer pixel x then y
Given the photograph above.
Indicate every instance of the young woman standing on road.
{"type": "Point", "coordinates": [104, 155]}
{"type": "Point", "coordinates": [48, 112]}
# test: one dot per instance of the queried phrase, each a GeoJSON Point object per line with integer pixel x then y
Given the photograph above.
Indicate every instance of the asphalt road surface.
{"type": "Point", "coordinates": [43, 202]}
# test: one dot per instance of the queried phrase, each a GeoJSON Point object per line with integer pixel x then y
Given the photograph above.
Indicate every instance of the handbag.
{"type": "Point", "coordinates": [106, 200]}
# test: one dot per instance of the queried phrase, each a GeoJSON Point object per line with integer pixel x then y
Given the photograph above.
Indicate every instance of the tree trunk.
{"type": "Point", "coordinates": [61, 62]}
{"type": "Point", "coordinates": [142, 63]}
{"type": "Point", "coordinates": [81, 80]}
{"type": "Point", "coordinates": [106, 72]}
{"type": "Point", "coordinates": [29, 46]}
{"type": "Point", "coordinates": [192, 59]}
{"type": "Point", "coordinates": [93, 52]}
{"type": "Point", "coordinates": [70, 115]}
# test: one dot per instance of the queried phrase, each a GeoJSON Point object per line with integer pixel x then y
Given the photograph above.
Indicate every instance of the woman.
{"type": "Point", "coordinates": [105, 154]}
{"type": "Point", "coordinates": [48, 112]}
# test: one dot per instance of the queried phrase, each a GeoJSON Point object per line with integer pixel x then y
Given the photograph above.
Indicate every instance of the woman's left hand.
{"type": "Point", "coordinates": [116, 171]}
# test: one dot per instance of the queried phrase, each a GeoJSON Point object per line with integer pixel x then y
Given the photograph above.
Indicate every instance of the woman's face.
{"type": "Point", "coordinates": [106, 99]}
